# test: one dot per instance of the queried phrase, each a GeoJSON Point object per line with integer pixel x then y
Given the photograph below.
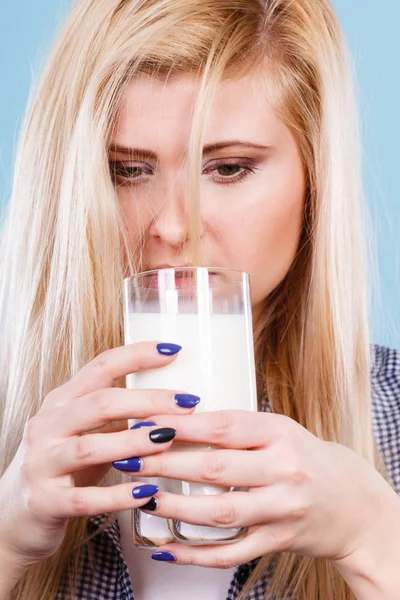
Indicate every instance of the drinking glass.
{"type": "Point", "coordinates": [207, 311]}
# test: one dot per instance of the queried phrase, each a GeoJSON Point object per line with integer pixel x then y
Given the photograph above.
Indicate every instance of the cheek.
{"type": "Point", "coordinates": [278, 242]}
{"type": "Point", "coordinates": [263, 239]}
{"type": "Point", "coordinates": [135, 213]}
{"type": "Point", "coordinates": [131, 218]}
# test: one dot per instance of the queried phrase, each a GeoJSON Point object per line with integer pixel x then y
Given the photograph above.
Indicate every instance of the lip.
{"type": "Point", "coordinates": [185, 266]}
{"type": "Point", "coordinates": [166, 266]}
{"type": "Point", "coordinates": [181, 280]}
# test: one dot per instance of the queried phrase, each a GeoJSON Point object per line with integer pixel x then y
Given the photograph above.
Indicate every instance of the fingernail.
{"type": "Point", "coordinates": [143, 424]}
{"type": "Point", "coordinates": [163, 556]}
{"type": "Point", "coordinates": [129, 464]}
{"type": "Point", "coordinates": [150, 505]}
{"type": "Point", "coordinates": [168, 349]}
{"type": "Point", "coordinates": [143, 491]}
{"type": "Point", "coordinates": [186, 400]}
{"type": "Point", "coordinates": [165, 434]}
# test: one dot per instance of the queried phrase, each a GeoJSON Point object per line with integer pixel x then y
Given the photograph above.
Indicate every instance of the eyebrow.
{"type": "Point", "coordinates": [142, 152]}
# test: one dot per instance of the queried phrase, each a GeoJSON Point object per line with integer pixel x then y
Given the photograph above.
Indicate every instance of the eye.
{"type": "Point", "coordinates": [231, 172]}
{"type": "Point", "coordinates": [122, 172]}
{"type": "Point", "coordinates": [227, 170]}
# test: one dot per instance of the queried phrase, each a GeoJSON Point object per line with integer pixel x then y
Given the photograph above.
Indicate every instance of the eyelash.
{"type": "Point", "coordinates": [118, 171]}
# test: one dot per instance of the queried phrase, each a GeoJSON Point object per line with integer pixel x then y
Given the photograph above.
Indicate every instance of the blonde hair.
{"type": "Point", "coordinates": [60, 292]}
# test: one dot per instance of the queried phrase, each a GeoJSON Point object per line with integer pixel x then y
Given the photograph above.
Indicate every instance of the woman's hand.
{"type": "Point", "coordinates": [305, 496]}
{"type": "Point", "coordinates": [39, 491]}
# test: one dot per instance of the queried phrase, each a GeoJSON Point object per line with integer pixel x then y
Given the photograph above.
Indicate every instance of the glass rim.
{"type": "Point", "coordinates": [209, 269]}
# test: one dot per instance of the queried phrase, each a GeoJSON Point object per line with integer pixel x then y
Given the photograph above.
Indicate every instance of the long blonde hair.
{"type": "Point", "coordinates": [60, 293]}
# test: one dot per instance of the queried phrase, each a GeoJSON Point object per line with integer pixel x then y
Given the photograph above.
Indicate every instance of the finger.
{"type": "Point", "coordinates": [101, 407]}
{"type": "Point", "coordinates": [109, 366]}
{"type": "Point", "coordinates": [84, 451]}
{"type": "Point", "coordinates": [91, 501]}
{"type": "Point", "coordinates": [226, 556]}
{"type": "Point", "coordinates": [231, 509]}
{"type": "Point", "coordinates": [240, 468]}
{"type": "Point", "coordinates": [240, 429]}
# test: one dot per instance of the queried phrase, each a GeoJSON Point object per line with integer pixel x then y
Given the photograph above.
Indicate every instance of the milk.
{"type": "Point", "coordinates": [216, 363]}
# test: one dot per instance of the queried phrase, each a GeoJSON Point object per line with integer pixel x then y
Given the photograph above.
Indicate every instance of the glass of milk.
{"type": "Point", "coordinates": [207, 311]}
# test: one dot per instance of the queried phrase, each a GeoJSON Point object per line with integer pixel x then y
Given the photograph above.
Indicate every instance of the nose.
{"type": "Point", "coordinates": [171, 224]}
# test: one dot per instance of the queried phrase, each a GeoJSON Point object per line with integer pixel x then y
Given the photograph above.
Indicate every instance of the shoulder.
{"type": "Point", "coordinates": [385, 375]}
{"type": "Point", "coordinates": [103, 572]}
{"type": "Point", "coordinates": [385, 398]}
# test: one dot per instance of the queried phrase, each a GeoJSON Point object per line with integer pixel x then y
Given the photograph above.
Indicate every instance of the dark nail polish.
{"type": "Point", "coordinates": [186, 400]}
{"type": "Point", "coordinates": [143, 491]}
{"type": "Point", "coordinates": [168, 349]}
{"type": "Point", "coordinates": [150, 505]}
{"type": "Point", "coordinates": [165, 434]}
{"type": "Point", "coordinates": [143, 424]}
{"type": "Point", "coordinates": [163, 556]}
{"type": "Point", "coordinates": [133, 464]}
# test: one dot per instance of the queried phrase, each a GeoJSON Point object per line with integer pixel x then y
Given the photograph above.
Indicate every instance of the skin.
{"type": "Point", "coordinates": [252, 223]}
{"type": "Point", "coordinates": [300, 487]}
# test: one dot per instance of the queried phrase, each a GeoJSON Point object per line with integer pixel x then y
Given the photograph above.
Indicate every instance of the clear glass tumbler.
{"type": "Point", "coordinates": [208, 312]}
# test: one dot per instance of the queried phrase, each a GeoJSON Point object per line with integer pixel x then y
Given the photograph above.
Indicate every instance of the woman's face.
{"type": "Point", "coordinates": [252, 179]}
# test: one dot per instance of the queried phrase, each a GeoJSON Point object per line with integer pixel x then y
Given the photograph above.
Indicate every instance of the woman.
{"type": "Point", "coordinates": [206, 132]}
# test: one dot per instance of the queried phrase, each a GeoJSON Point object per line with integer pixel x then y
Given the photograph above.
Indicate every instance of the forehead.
{"type": "Point", "coordinates": [155, 111]}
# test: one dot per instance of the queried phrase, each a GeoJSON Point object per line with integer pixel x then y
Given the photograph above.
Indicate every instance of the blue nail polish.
{"type": "Point", "coordinates": [186, 400]}
{"type": "Point", "coordinates": [163, 556]}
{"type": "Point", "coordinates": [168, 349]}
{"type": "Point", "coordinates": [143, 491]}
{"type": "Point", "coordinates": [143, 424]}
{"type": "Point", "coordinates": [129, 464]}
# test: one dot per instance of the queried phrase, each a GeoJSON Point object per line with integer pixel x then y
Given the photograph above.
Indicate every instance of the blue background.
{"type": "Point", "coordinates": [27, 30]}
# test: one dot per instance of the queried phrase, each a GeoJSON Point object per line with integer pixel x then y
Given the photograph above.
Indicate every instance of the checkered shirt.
{"type": "Point", "coordinates": [107, 577]}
